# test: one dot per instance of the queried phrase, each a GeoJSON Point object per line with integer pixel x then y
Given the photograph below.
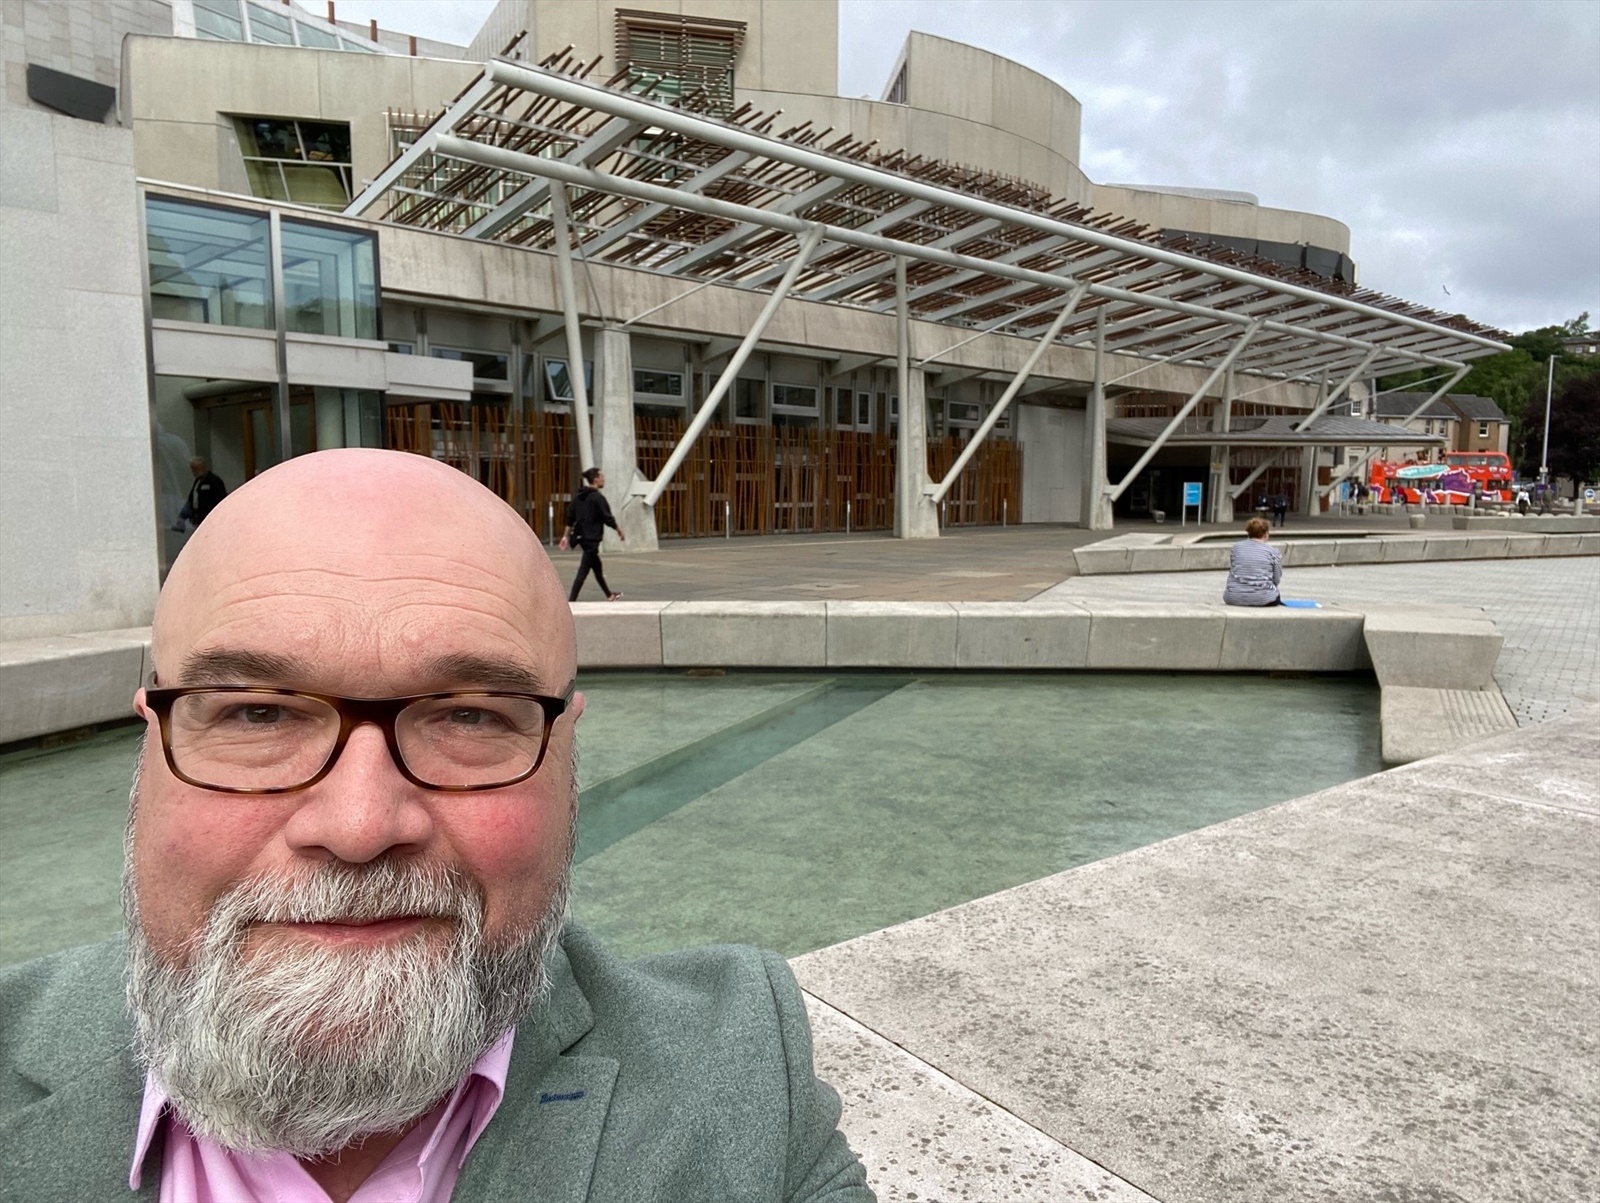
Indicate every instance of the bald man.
{"type": "Point", "coordinates": [348, 972]}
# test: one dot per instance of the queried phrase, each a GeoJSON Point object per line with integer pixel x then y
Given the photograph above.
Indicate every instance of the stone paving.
{"type": "Point", "coordinates": [1548, 610]}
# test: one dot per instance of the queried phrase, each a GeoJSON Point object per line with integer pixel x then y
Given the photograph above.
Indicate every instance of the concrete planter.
{"type": "Point", "coordinates": [1416, 520]}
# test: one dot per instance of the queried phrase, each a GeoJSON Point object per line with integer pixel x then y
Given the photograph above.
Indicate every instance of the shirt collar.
{"type": "Point", "coordinates": [492, 1067]}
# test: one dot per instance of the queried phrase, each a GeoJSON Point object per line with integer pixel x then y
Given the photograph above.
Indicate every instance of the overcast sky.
{"type": "Point", "coordinates": [1459, 141]}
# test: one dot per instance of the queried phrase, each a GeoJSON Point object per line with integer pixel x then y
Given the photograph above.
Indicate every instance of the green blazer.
{"type": "Point", "coordinates": [679, 1077]}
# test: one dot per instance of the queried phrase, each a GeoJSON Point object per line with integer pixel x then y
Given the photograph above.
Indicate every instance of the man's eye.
{"type": "Point", "coordinates": [466, 716]}
{"type": "Point", "coordinates": [261, 714]}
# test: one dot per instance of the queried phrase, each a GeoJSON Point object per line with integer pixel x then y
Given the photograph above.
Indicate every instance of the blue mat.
{"type": "Point", "coordinates": [1301, 603]}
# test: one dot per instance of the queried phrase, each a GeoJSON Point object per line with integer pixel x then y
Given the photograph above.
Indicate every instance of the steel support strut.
{"type": "Point", "coordinates": [1337, 391]}
{"type": "Point", "coordinates": [1117, 490]}
{"type": "Point", "coordinates": [569, 311]}
{"type": "Point", "coordinates": [937, 492]}
{"type": "Point", "coordinates": [584, 177]}
{"type": "Point", "coordinates": [702, 417]}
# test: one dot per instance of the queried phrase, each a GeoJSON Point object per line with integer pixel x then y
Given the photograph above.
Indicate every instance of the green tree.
{"type": "Point", "coordinates": [1574, 427]}
{"type": "Point", "coordinates": [1515, 380]}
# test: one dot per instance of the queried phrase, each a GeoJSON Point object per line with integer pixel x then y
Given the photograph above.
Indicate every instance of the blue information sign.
{"type": "Point", "coordinates": [1191, 492]}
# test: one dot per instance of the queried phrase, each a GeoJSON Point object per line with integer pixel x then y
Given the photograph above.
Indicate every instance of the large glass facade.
{"type": "Point", "coordinates": [330, 283]}
{"type": "Point", "coordinates": [208, 264]}
{"type": "Point", "coordinates": [274, 24]}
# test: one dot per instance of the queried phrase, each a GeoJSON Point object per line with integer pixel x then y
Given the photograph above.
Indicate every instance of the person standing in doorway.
{"type": "Point", "coordinates": [204, 495]}
{"type": "Point", "coordinates": [1280, 508]}
{"type": "Point", "coordinates": [588, 515]}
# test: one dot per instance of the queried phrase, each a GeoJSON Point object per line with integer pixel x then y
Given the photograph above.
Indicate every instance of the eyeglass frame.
{"type": "Point", "coordinates": [384, 713]}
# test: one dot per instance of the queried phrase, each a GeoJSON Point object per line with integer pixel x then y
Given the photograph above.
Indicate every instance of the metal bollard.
{"type": "Point", "coordinates": [727, 520]}
{"type": "Point", "coordinates": [1005, 504]}
{"type": "Point", "coordinates": [550, 521]}
{"type": "Point", "coordinates": [847, 516]}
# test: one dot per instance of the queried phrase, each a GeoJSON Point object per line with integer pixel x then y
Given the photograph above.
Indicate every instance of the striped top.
{"type": "Point", "coordinates": [1254, 570]}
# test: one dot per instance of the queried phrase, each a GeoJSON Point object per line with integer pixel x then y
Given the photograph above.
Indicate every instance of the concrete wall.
{"type": "Point", "coordinates": [181, 95]}
{"type": "Point", "coordinates": [80, 37]}
{"type": "Point", "coordinates": [423, 264]}
{"type": "Point", "coordinates": [789, 47]}
{"type": "Point", "coordinates": [77, 511]}
{"type": "Point", "coordinates": [1235, 219]}
{"type": "Point", "coordinates": [1052, 466]}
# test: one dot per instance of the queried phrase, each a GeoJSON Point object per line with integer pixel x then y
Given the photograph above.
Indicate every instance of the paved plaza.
{"type": "Point", "coordinates": [1548, 610]}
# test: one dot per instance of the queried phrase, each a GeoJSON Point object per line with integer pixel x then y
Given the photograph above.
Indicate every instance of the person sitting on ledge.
{"type": "Point", "coordinates": [1254, 568]}
{"type": "Point", "coordinates": [348, 972]}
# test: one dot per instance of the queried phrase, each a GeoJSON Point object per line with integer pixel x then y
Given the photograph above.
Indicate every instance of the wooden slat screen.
{"type": "Point", "coordinates": [761, 479]}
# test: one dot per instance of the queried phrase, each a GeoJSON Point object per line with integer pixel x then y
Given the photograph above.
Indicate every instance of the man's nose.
{"type": "Point", "coordinates": [363, 808]}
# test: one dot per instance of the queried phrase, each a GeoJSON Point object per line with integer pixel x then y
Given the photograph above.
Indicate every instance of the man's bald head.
{"type": "Point", "coordinates": [383, 551]}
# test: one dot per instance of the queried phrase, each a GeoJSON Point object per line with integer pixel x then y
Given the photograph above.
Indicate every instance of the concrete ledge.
{"type": "Point", "coordinates": [1205, 556]}
{"type": "Point", "coordinates": [1432, 648]}
{"type": "Point", "coordinates": [1555, 524]}
{"type": "Point", "coordinates": [1308, 555]}
{"type": "Point", "coordinates": [620, 634]}
{"type": "Point", "coordinates": [1273, 639]}
{"type": "Point", "coordinates": [1465, 547]}
{"type": "Point", "coordinates": [65, 682]}
{"type": "Point", "coordinates": [923, 1135]}
{"type": "Point", "coordinates": [1358, 551]}
{"type": "Point", "coordinates": [868, 634]}
{"type": "Point", "coordinates": [753, 634]}
{"type": "Point", "coordinates": [1418, 723]}
{"type": "Point", "coordinates": [1156, 636]}
{"type": "Point", "coordinates": [1404, 550]}
{"type": "Point", "coordinates": [1185, 553]}
{"type": "Point", "coordinates": [1098, 559]}
{"type": "Point", "coordinates": [1021, 635]}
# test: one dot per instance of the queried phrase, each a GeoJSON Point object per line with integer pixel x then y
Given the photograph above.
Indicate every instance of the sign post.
{"type": "Point", "coordinates": [1191, 496]}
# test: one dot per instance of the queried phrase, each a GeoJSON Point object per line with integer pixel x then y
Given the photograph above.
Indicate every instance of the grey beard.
{"type": "Point", "coordinates": [308, 1049]}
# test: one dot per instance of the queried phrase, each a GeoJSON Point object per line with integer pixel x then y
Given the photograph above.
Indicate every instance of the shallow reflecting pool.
{"type": "Point", "coordinates": [794, 811]}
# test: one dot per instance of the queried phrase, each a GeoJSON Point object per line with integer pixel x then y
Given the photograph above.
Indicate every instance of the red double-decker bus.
{"type": "Point", "coordinates": [1450, 482]}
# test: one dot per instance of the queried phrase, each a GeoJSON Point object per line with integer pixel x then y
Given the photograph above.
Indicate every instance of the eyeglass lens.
{"type": "Point", "coordinates": [277, 741]}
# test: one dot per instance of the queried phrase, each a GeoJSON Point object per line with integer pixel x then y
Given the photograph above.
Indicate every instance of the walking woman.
{"type": "Point", "coordinates": [1254, 569]}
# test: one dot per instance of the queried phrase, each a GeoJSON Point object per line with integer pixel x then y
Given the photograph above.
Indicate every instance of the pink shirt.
{"type": "Point", "coordinates": [422, 1168]}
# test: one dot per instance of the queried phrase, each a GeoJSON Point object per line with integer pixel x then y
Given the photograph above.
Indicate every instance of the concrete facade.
{"type": "Point", "coordinates": [77, 486]}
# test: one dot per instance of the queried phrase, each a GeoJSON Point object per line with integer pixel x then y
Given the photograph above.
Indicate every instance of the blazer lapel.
{"type": "Point", "coordinates": [77, 1142]}
{"type": "Point", "coordinates": [545, 1137]}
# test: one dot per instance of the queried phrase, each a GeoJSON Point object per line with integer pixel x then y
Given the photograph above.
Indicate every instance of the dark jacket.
{"type": "Point", "coordinates": [678, 1077]}
{"type": "Point", "coordinates": [204, 495]}
{"type": "Point", "coordinates": [588, 514]}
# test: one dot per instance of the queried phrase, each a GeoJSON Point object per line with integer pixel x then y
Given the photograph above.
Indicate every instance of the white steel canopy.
{"type": "Point", "coordinates": [728, 200]}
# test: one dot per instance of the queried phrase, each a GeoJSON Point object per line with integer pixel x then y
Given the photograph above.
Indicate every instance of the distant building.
{"type": "Point", "coordinates": [1581, 344]}
{"type": "Point", "coordinates": [1466, 423]}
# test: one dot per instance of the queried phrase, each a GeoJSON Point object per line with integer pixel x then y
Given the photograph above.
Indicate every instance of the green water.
{"type": "Point", "coordinates": [793, 811]}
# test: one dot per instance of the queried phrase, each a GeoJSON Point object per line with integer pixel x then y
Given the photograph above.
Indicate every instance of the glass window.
{"type": "Point", "coordinates": [657, 384]}
{"type": "Point", "coordinates": [267, 26]}
{"type": "Point", "coordinates": [402, 348]}
{"type": "Point", "coordinates": [307, 162]}
{"type": "Point", "coordinates": [964, 411]}
{"type": "Point", "coordinates": [330, 281]}
{"type": "Point", "coordinates": [208, 264]}
{"type": "Point", "coordinates": [864, 410]}
{"type": "Point", "coordinates": [486, 365]}
{"type": "Point", "coordinates": [794, 396]}
{"type": "Point", "coordinates": [218, 19]}
{"type": "Point", "coordinates": [748, 399]}
{"type": "Point", "coordinates": [310, 35]}
{"type": "Point", "coordinates": [558, 382]}
{"type": "Point", "coordinates": [843, 410]}
{"type": "Point", "coordinates": [1483, 430]}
